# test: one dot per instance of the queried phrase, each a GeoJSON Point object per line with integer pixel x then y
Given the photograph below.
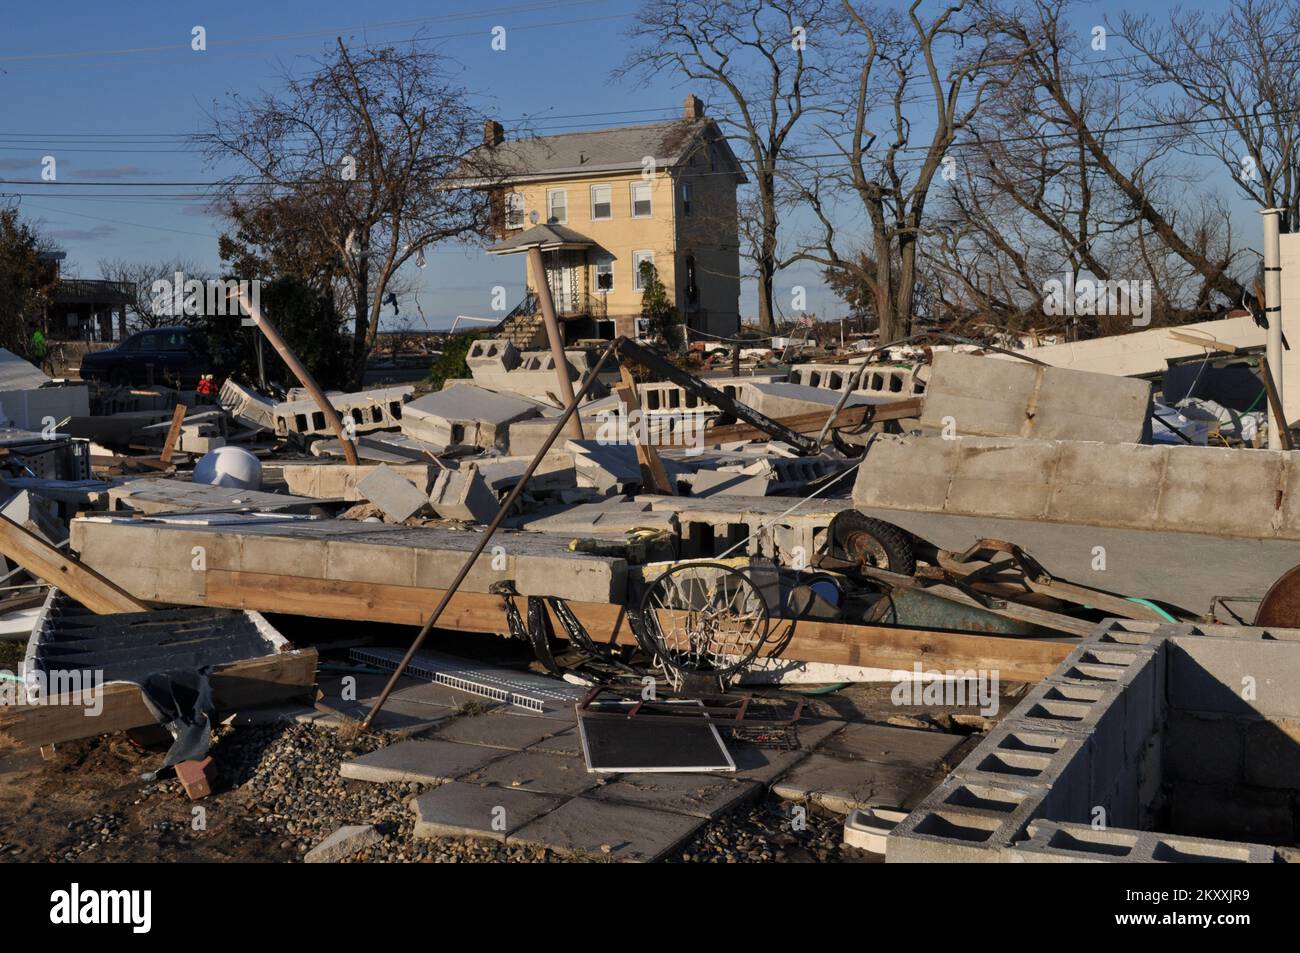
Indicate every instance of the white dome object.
{"type": "Point", "coordinates": [229, 466]}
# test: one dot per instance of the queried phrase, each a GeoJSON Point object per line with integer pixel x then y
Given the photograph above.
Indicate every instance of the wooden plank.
{"type": "Point", "coordinates": [45, 562]}
{"type": "Point", "coordinates": [173, 434]}
{"type": "Point", "coordinates": [1016, 659]}
{"type": "Point", "coordinates": [1204, 342]}
{"type": "Point", "coordinates": [653, 473]}
{"type": "Point", "coordinates": [243, 684]}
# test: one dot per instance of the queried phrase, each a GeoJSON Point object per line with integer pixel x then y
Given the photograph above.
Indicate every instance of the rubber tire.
{"type": "Point", "coordinates": [896, 543]}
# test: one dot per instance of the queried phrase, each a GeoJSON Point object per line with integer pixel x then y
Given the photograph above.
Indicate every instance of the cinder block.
{"type": "Point", "coordinates": [463, 495]}
{"type": "Point", "coordinates": [397, 496]}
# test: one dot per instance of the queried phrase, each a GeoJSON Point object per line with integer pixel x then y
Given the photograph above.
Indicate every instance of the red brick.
{"type": "Point", "coordinates": [196, 777]}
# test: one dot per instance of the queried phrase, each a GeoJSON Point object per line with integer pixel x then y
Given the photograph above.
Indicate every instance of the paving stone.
{"type": "Point", "coordinates": [536, 771]}
{"type": "Point", "coordinates": [457, 809]}
{"type": "Point", "coordinates": [342, 844]}
{"type": "Point", "coordinates": [700, 795]}
{"type": "Point", "coordinates": [443, 696]}
{"type": "Point", "coordinates": [841, 785]}
{"type": "Point", "coordinates": [398, 716]}
{"type": "Point", "coordinates": [616, 831]}
{"type": "Point", "coordinates": [428, 762]}
{"type": "Point", "coordinates": [499, 730]}
{"type": "Point", "coordinates": [765, 765]}
{"type": "Point", "coordinates": [565, 742]}
{"type": "Point", "coordinates": [883, 744]}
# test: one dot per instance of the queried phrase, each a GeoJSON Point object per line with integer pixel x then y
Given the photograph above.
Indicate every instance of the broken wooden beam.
{"type": "Point", "coordinates": [45, 562]}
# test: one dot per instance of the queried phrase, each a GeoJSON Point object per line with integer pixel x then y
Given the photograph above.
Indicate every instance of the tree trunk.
{"type": "Point", "coordinates": [361, 307]}
{"type": "Point", "coordinates": [767, 253]}
{"type": "Point", "coordinates": [766, 276]}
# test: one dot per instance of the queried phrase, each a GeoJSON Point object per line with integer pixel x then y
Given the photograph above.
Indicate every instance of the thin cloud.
{"type": "Point", "coordinates": [84, 234]}
{"type": "Point", "coordinates": [111, 172]}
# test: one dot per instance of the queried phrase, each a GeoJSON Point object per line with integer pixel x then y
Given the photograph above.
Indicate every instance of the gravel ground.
{"type": "Point", "coordinates": [279, 793]}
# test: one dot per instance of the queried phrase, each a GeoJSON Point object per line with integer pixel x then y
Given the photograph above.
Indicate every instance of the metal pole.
{"type": "Point", "coordinates": [487, 536]}
{"type": "Point", "coordinates": [303, 375]}
{"type": "Point", "coordinates": [1273, 314]}
{"type": "Point", "coordinates": [547, 304]}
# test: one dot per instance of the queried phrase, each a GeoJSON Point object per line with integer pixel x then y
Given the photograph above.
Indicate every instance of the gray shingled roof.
{"type": "Point", "coordinates": [544, 236]}
{"type": "Point", "coordinates": [606, 150]}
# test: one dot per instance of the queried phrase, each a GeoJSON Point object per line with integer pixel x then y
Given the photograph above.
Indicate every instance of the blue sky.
{"type": "Point", "coordinates": [120, 119]}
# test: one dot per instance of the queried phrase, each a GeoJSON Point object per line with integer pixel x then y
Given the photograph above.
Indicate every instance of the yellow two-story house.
{"type": "Point", "coordinates": [600, 203]}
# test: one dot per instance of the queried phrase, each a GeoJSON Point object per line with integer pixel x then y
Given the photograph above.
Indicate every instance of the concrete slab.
{"type": "Point", "coordinates": [765, 765]}
{"type": "Point", "coordinates": [500, 730]}
{"type": "Point", "coordinates": [343, 843]}
{"type": "Point", "coordinates": [425, 762]}
{"type": "Point", "coordinates": [397, 496]}
{"type": "Point", "coordinates": [534, 771]}
{"type": "Point", "coordinates": [1017, 399]}
{"type": "Point", "coordinates": [619, 832]}
{"type": "Point", "coordinates": [841, 786]}
{"type": "Point", "coordinates": [700, 795]}
{"type": "Point", "coordinates": [884, 744]}
{"type": "Point", "coordinates": [444, 696]}
{"type": "Point", "coordinates": [565, 743]}
{"type": "Point", "coordinates": [457, 809]}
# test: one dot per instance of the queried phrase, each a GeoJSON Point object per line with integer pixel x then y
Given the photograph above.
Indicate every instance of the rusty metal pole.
{"type": "Point", "coordinates": [487, 536]}
{"type": "Point", "coordinates": [547, 304]}
{"type": "Point", "coordinates": [304, 376]}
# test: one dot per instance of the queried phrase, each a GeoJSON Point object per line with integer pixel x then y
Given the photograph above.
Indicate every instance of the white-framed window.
{"type": "Point", "coordinates": [637, 258]}
{"type": "Point", "coordinates": [687, 198]}
{"type": "Point", "coordinates": [604, 274]}
{"type": "Point", "coordinates": [514, 210]}
{"type": "Point", "coordinates": [557, 207]}
{"type": "Point", "coordinates": [602, 203]}
{"type": "Point", "coordinates": [641, 206]}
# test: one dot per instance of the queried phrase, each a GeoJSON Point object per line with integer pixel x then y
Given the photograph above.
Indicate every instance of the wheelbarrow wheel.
{"type": "Point", "coordinates": [872, 542]}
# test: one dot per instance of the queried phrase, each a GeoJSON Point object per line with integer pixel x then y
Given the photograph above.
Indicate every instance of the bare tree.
{"type": "Point", "coordinates": [758, 55]}
{"type": "Point", "coordinates": [1142, 177]}
{"type": "Point", "coordinates": [895, 60]}
{"type": "Point", "coordinates": [1227, 85]}
{"type": "Point", "coordinates": [139, 280]}
{"type": "Point", "coordinates": [365, 160]}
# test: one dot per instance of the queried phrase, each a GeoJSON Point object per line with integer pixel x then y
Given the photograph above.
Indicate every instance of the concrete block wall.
{"type": "Point", "coordinates": [885, 380]}
{"type": "Point", "coordinates": [1233, 754]}
{"type": "Point", "coordinates": [1105, 730]}
{"type": "Point", "coordinates": [711, 525]}
{"type": "Point", "coordinates": [1128, 486]}
{"type": "Point", "coordinates": [378, 409]}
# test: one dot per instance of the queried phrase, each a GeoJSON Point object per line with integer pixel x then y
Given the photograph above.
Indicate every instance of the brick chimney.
{"type": "Point", "coordinates": [694, 107]}
{"type": "Point", "coordinates": [493, 133]}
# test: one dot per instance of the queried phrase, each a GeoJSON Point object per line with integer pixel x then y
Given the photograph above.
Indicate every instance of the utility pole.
{"type": "Point", "coordinates": [1273, 315]}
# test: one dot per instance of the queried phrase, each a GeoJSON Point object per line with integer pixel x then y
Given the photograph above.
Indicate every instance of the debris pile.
{"type": "Point", "coordinates": [638, 580]}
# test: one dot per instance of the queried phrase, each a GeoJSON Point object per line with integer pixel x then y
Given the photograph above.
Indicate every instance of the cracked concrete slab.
{"type": "Point", "coordinates": [619, 832]}
{"type": "Point", "coordinates": [700, 795]}
{"type": "Point", "coordinates": [423, 761]}
{"type": "Point", "coordinates": [536, 771]}
{"type": "Point", "coordinates": [458, 809]}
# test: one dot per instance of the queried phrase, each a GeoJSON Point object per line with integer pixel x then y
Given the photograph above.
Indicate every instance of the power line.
{"type": "Point", "coordinates": [306, 34]}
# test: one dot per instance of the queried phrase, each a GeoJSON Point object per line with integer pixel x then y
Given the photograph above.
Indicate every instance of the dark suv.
{"type": "Point", "coordinates": [157, 356]}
